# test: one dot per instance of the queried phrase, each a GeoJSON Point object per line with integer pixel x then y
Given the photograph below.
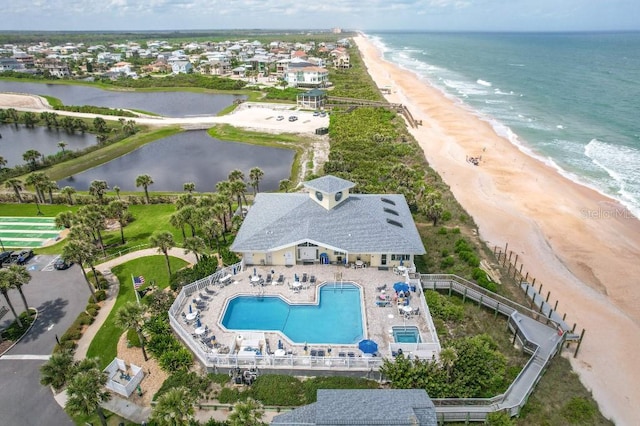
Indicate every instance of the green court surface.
{"type": "Point", "coordinates": [27, 232]}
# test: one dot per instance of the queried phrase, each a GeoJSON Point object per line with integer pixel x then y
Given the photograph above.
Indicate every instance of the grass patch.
{"type": "Point", "coordinates": [153, 268]}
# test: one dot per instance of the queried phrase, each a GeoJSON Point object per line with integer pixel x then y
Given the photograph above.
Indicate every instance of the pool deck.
{"type": "Point", "coordinates": [378, 321]}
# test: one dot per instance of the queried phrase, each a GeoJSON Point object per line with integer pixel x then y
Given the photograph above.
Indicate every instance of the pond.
{"type": "Point", "coordinates": [18, 139]}
{"type": "Point", "coordinates": [191, 156]}
{"type": "Point", "coordinates": [170, 104]}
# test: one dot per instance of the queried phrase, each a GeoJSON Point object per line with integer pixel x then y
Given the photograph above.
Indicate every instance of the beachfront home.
{"type": "Point", "coordinates": [329, 224]}
{"type": "Point", "coordinates": [304, 74]}
{"type": "Point", "coordinates": [402, 407]}
{"type": "Point", "coordinates": [312, 99]}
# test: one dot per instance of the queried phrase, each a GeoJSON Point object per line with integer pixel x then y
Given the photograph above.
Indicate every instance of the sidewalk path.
{"type": "Point", "coordinates": [112, 292]}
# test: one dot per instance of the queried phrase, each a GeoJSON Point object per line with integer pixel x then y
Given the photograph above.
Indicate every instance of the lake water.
{"type": "Point", "coordinates": [188, 157]}
{"type": "Point", "coordinates": [170, 104]}
{"type": "Point", "coordinates": [16, 140]}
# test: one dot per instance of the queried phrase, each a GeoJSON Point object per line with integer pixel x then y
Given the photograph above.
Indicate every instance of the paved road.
{"type": "Point", "coordinates": [59, 296]}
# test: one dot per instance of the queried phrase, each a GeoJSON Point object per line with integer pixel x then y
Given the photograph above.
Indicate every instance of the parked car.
{"type": "Point", "coordinates": [280, 118]}
{"type": "Point", "coordinates": [293, 118]}
{"type": "Point", "coordinates": [5, 257]}
{"type": "Point", "coordinates": [60, 264]}
{"type": "Point", "coordinates": [24, 256]}
{"type": "Point", "coordinates": [316, 113]}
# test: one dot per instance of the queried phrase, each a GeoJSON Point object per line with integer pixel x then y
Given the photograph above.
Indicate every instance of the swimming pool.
{"type": "Point", "coordinates": [337, 318]}
{"type": "Point", "coordinates": [406, 334]}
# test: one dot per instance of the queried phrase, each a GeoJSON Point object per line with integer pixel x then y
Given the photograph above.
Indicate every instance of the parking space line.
{"type": "Point", "coordinates": [27, 357]}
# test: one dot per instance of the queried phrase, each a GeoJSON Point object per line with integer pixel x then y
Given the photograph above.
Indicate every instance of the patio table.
{"type": "Point", "coordinates": [191, 316]}
{"type": "Point", "coordinates": [200, 330]}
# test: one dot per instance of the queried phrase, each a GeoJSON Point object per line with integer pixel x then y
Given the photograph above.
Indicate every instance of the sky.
{"type": "Point", "coordinates": [426, 15]}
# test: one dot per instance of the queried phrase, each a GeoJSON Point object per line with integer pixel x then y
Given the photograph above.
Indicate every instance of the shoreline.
{"type": "Point", "coordinates": [569, 236]}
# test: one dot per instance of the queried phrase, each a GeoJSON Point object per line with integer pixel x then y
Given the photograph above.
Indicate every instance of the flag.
{"type": "Point", "coordinates": [138, 281]}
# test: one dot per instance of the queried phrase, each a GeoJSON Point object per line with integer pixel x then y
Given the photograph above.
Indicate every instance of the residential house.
{"type": "Point", "coordinates": [181, 67]}
{"type": "Point", "coordinates": [328, 224]}
{"type": "Point", "coordinates": [306, 75]}
{"type": "Point", "coordinates": [313, 99]}
{"type": "Point", "coordinates": [336, 407]}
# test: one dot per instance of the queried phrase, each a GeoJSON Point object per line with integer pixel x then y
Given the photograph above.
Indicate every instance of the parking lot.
{"type": "Point", "coordinates": [58, 296]}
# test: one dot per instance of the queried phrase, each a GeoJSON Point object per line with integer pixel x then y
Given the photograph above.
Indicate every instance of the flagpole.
{"type": "Point", "coordinates": [133, 282]}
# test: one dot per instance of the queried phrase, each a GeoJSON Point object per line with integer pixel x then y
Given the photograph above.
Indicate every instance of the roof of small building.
{"type": "Point", "coordinates": [328, 183]}
{"type": "Point", "coordinates": [361, 223]}
{"type": "Point", "coordinates": [408, 407]}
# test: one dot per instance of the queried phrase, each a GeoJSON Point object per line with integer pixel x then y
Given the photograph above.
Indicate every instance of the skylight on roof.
{"type": "Point", "coordinates": [394, 223]}
{"type": "Point", "coordinates": [388, 201]}
{"type": "Point", "coordinates": [391, 211]}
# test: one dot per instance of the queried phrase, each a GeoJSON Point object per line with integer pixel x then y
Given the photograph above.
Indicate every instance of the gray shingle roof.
{"type": "Point", "coordinates": [329, 184]}
{"type": "Point", "coordinates": [364, 407]}
{"type": "Point", "coordinates": [360, 224]}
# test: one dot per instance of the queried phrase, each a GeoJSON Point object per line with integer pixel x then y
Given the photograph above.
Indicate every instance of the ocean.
{"type": "Point", "coordinates": [569, 99]}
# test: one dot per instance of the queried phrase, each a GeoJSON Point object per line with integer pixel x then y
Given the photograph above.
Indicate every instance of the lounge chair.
{"type": "Point", "coordinates": [210, 291]}
{"type": "Point", "coordinates": [342, 354]}
{"type": "Point", "coordinates": [382, 287]}
{"type": "Point", "coordinates": [269, 278]}
{"type": "Point", "coordinates": [304, 277]}
{"type": "Point", "coordinates": [204, 297]}
{"type": "Point", "coordinates": [312, 279]}
{"type": "Point", "coordinates": [351, 354]}
{"type": "Point", "coordinates": [313, 352]}
{"type": "Point", "coordinates": [281, 279]}
{"type": "Point", "coordinates": [320, 352]}
{"type": "Point", "coordinates": [416, 311]}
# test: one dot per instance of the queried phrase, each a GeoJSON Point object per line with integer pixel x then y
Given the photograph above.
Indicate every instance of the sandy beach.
{"type": "Point", "coordinates": [583, 246]}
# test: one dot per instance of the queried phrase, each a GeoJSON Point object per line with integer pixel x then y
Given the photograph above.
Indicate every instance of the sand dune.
{"type": "Point", "coordinates": [583, 246]}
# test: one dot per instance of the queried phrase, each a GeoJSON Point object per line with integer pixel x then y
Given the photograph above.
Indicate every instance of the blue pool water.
{"type": "Point", "coordinates": [407, 334]}
{"type": "Point", "coordinates": [336, 319]}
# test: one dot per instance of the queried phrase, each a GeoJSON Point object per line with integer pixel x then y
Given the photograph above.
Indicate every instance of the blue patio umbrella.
{"type": "Point", "coordinates": [198, 323]}
{"type": "Point", "coordinates": [368, 346]}
{"type": "Point", "coordinates": [401, 262]}
{"type": "Point", "coordinates": [400, 286]}
{"type": "Point", "coordinates": [190, 310]}
{"type": "Point", "coordinates": [254, 272]}
{"type": "Point", "coordinates": [295, 277]}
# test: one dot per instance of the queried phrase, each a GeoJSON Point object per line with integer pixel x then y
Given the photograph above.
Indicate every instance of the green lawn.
{"type": "Point", "coordinates": [152, 268]}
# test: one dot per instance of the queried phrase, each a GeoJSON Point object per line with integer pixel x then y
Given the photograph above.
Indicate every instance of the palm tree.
{"type": "Point", "coordinates": [144, 181]}
{"type": "Point", "coordinates": [255, 176]}
{"type": "Point", "coordinates": [49, 186]}
{"type": "Point", "coordinates": [31, 156]}
{"type": "Point", "coordinates": [194, 245]}
{"type": "Point", "coordinates": [93, 216]}
{"type": "Point", "coordinates": [285, 185]}
{"type": "Point", "coordinates": [432, 207]}
{"type": "Point", "coordinates": [85, 393]}
{"type": "Point", "coordinates": [68, 191]}
{"type": "Point", "coordinates": [65, 219]}
{"type": "Point", "coordinates": [163, 240]}
{"type": "Point", "coordinates": [16, 185]}
{"type": "Point", "coordinates": [116, 189]}
{"type": "Point", "coordinates": [174, 408]}
{"type": "Point", "coordinates": [212, 228]}
{"type": "Point", "coordinates": [78, 251]}
{"type": "Point", "coordinates": [56, 371]}
{"type": "Point", "coordinates": [6, 284]}
{"type": "Point", "coordinates": [235, 175]}
{"type": "Point", "coordinates": [238, 188]}
{"type": "Point", "coordinates": [119, 210]}
{"type": "Point", "coordinates": [19, 277]}
{"type": "Point", "coordinates": [38, 181]}
{"type": "Point", "coordinates": [131, 316]}
{"type": "Point", "coordinates": [177, 220]}
{"type": "Point", "coordinates": [62, 145]}
{"type": "Point", "coordinates": [3, 161]}
{"type": "Point", "coordinates": [189, 187]}
{"type": "Point", "coordinates": [99, 124]}
{"type": "Point", "coordinates": [226, 194]}
{"type": "Point", "coordinates": [98, 188]}
{"type": "Point", "coordinates": [185, 200]}
{"type": "Point", "coordinates": [247, 413]}
{"type": "Point", "coordinates": [30, 119]}
{"type": "Point", "coordinates": [189, 217]}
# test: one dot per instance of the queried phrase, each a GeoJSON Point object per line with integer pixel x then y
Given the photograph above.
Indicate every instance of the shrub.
{"type": "Point", "coordinates": [100, 296]}
{"type": "Point", "coordinates": [444, 253]}
{"type": "Point", "coordinates": [162, 343]}
{"type": "Point", "coordinates": [93, 312]}
{"type": "Point", "coordinates": [71, 334]}
{"type": "Point", "coordinates": [230, 396]}
{"type": "Point", "coordinates": [312, 385]}
{"type": "Point", "coordinates": [442, 307]}
{"type": "Point", "coordinates": [218, 378]}
{"type": "Point", "coordinates": [272, 389]}
{"type": "Point", "coordinates": [447, 262]}
{"type": "Point", "coordinates": [172, 361]}
{"type": "Point", "coordinates": [84, 319]}
{"type": "Point", "coordinates": [579, 411]}
{"type": "Point", "coordinates": [446, 216]}
{"type": "Point", "coordinates": [192, 381]}
{"type": "Point", "coordinates": [442, 231]}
